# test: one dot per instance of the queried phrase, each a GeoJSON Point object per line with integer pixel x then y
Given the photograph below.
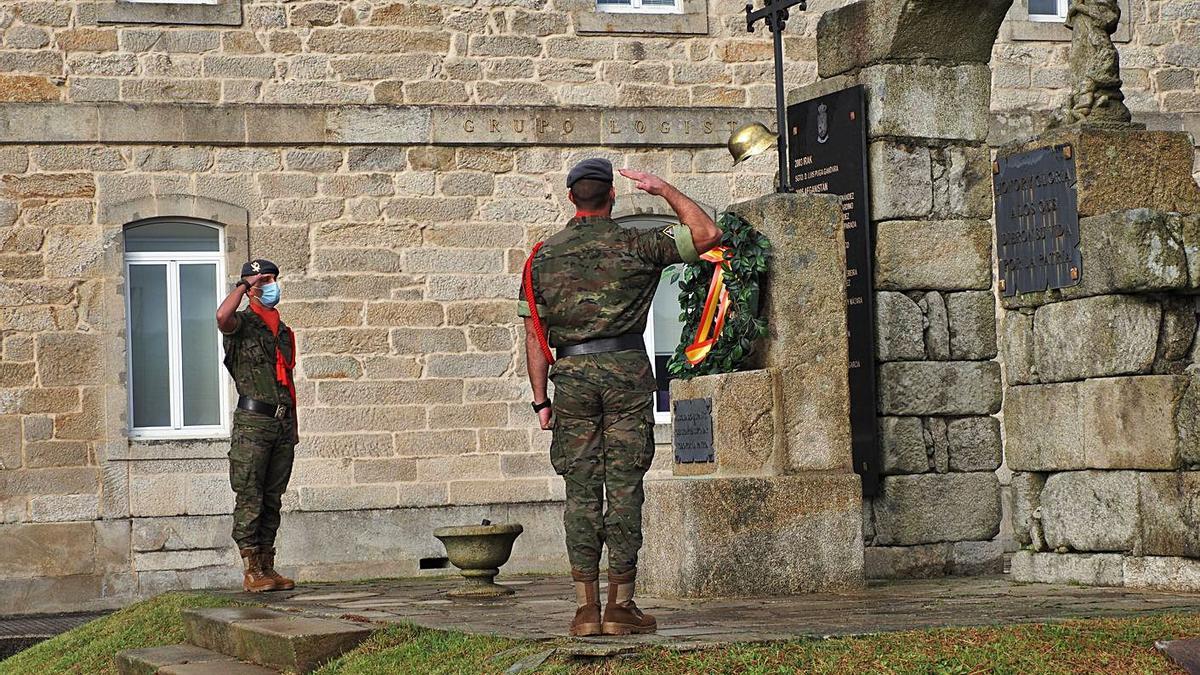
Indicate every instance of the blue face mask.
{"type": "Point", "coordinates": [269, 294]}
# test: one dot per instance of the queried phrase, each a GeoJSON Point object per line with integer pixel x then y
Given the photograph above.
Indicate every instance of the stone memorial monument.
{"type": "Point", "coordinates": [1102, 366]}
{"type": "Point", "coordinates": [923, 69]}
{"type": "Point", "coordinates": [778, 510]}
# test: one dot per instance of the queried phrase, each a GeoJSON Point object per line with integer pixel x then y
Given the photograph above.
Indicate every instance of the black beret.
{"type": "Point", "coordinates": [593, 169]}
{"type": "Point", "coordinates": [260, 266]}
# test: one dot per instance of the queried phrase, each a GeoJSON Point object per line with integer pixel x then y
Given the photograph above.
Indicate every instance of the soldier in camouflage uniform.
{"type": "Point", "coordinates": [593, 284]}
{"type": "Point", "coordinates": [260, 354]}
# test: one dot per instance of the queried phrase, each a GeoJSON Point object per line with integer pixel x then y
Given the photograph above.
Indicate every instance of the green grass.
{"type": "Point", "coordinates": [1082, 646]}
{"type": "Point", "coordinates": [405, 648]}
{"type": "Point", "coordinates": [90, 648]}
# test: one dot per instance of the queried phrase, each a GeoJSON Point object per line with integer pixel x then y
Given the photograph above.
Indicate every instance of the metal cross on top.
{"type": "Point", "coordinates": [775, 15]}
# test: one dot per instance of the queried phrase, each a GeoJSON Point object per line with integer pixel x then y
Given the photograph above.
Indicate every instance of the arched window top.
{"type": "Point", "coordinates": [172, 235]}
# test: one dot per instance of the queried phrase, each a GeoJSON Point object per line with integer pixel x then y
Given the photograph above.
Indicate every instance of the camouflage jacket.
{"type": "Point", "coordinates": [250, 358]}
{"type": "Point", "coordinates": [596, 279]}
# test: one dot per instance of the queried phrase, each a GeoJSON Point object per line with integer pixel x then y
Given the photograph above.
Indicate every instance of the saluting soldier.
{"type": "Point", "coordinates": [592, 286]}
{"type": "Point", "coordinates": [260, 354]}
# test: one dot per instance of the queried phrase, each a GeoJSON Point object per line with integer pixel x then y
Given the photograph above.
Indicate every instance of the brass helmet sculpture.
{"type": "Point", "coordinates": [749, 140]}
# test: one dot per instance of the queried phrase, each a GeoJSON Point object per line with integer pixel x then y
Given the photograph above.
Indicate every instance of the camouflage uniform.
{"type": "Point", "coordinates": [596, 280]}
{"type": "Point", "coordinates": [262, 448]}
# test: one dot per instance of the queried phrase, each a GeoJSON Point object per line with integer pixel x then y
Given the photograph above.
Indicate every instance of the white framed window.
{"type": "Point", "coordinates": [664, 331]}
{"type": "Point", "coordinates": [174, 269]}
{"type": "Point", "coordinates": [640, 6]}
{"type": "Point", "coordinates": [1048, 11]}
{"type": "Point", "coordinates": [663, 328]}
{"type": "Point", "coordinates": [170, 12]}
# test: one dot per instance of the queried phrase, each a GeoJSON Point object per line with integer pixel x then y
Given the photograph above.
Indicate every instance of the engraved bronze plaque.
{"type": "Point", "coordinates": [694, 431]}
{"type": "Point", "coordinates": [1037, 221]}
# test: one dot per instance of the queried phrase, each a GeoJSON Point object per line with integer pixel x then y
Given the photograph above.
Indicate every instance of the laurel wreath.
{"type": "Point", "coordinates": [747, 259]}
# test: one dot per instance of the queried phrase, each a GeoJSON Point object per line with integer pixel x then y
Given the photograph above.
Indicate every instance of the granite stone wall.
{"type": "Point", "coordinates": [406, 140]}
{"type": "Point", "coordinates": [1101, 405]}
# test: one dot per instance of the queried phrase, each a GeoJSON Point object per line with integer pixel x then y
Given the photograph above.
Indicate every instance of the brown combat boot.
{"type": "Point", "coordinates": [621, 615]}
{"type": "Point", "coordinates": [253, 580]}
{"type": "Point", "coordinates": [266, 560]}
{"type": "Point", "coordinates": [587, 597]}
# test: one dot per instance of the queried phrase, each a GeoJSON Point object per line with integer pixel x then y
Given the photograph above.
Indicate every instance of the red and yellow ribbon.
{"type": "Point", "coordinates": [712, 319]}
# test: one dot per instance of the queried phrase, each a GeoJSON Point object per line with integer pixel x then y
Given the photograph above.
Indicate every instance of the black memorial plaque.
{"type": "Point", "coordinates": [1037, 221]}
{"type": "Point", "coordinates": [694, 431]}
{"type": "Point", "coordinates": [827, 148]}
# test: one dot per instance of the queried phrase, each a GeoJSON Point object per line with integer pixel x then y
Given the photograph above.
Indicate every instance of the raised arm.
{"type": "Point", "coordinates": [225, 312]}
{"type": "Point", "coordinates": [705, 233]}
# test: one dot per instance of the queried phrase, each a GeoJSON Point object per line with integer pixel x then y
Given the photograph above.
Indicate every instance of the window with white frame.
{"type": "Point", "coordinates": [170, 12]}
{"type": "Point", "coordinates": [641, 6]}
{"type": "Point", "coordinates": [663, 327]}
{"type": "Point", "coordinates": [174, 269]}
{"type": "Point", "coordinates": [1048, 10]}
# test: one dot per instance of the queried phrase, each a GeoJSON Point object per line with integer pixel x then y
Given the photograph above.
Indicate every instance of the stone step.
{"type": "Point", "coordinates": [273, 639]}
{"type": "Point", "coordinates": [183, 660]}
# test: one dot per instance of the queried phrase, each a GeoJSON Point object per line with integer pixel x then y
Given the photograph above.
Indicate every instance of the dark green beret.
{"type": "Point", "coordinates": [593, 169]}
{"type": "Point", "coordinates": [260, 266]}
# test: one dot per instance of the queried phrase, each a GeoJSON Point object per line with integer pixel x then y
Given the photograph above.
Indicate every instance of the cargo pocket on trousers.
{"type": "Point", "coordinates": [559, 458]}
{"type": "Point", "coordinates": [647, 428]}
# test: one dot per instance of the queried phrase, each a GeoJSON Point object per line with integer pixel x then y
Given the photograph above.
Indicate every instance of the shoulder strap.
{"type": "Point", "coordinates": [538, 327]}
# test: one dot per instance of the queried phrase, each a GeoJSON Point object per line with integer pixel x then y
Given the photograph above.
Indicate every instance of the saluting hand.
{"type": "Point", "coordinates": [646, 181]}
{"type": "Point", "coordinates": [251, 280]}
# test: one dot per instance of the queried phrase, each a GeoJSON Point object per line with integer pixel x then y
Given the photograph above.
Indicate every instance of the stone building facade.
{"type": "Point", "coordinates": [397, 160]}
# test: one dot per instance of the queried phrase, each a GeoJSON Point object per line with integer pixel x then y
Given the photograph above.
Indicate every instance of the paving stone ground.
{"type": "Point", "coordinates": [543, 606]}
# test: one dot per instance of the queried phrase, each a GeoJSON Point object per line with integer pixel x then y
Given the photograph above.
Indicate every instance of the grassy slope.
{"type": "Point", "coordinates": [1092, 646]}
{"type": "Point", "coordinates": [1108, 645]}
{"type": "Point", "coordinates": [90, 648]}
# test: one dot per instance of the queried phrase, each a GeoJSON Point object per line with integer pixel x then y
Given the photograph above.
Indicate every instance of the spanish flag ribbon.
{"type": "Point", "coordinates": [712, 319]}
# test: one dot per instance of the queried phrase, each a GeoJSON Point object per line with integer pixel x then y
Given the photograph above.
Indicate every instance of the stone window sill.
{"type": "Point", "coordinates": [1018, 27]}
{"type": "Point", "coordinates": [224, 13]}
{"type": "Point", "coordinates": [693, 21]}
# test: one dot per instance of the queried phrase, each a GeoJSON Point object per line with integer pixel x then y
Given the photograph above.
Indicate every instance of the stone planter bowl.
{"type": "Point", "coordinates": [478, 551]}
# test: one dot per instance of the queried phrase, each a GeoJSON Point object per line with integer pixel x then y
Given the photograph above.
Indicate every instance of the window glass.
{"type": "Point", "coordinates": [663, 328]}
{"type": "Point", "coordinates": [171, 236]}
{"type": "Point", "coordinates": [647, 6]}
{"type": "Point", "coordinates": [149, 348]}
{"type": "Point", "coordinates": [1048, 10]}
{"type": "Point", "coordinates": [198, 336]}
{"type": "Point", "coordinates": [667, 332]}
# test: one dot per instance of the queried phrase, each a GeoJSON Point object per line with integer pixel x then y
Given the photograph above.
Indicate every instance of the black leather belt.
{"type": "Point", "coordinates": [603, 345]}
{"type": "Point", "coordinates": [279, 412]}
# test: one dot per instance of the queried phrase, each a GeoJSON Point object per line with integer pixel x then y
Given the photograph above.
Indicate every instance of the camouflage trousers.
{"type": "Point", "coordinates": [260, 465]}
{"type": "Point", "coordinates": [602, 445]}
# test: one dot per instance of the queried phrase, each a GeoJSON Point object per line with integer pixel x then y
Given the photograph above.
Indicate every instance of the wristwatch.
{"type": "Point", "coordinates": [242, 282]}
{"type": "Point", "coordinates": [539, 407]}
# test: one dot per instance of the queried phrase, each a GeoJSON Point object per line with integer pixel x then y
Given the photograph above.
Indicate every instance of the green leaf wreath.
{"type": "Point", "coordinates": [749, 254]}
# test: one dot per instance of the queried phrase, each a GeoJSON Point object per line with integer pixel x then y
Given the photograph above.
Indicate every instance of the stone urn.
{"type": "Point", "coordinates": [478, 551]}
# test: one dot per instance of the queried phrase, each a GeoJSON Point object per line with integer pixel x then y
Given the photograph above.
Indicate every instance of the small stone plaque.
{"type": "Point", "coordinates": [694, 431]}
{"type": "Point", "coordinates": [1037, 221]}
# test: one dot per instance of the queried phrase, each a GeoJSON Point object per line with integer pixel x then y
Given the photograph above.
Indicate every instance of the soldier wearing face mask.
{"type": "Point", "coordinates": [260, 354]}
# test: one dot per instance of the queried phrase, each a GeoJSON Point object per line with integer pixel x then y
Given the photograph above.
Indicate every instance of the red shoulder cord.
{"type": "Point", "coordinates": [538, 328]}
